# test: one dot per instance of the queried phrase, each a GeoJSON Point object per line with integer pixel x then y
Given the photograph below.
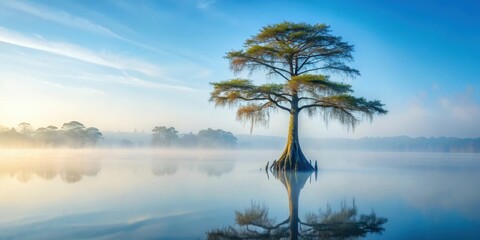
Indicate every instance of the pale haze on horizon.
{"type": "Point", "coordinates": [126, 65]}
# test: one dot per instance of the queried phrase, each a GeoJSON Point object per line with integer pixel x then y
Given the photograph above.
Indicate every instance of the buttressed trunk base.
{"type": "Point", "coordinates": [292, 158]}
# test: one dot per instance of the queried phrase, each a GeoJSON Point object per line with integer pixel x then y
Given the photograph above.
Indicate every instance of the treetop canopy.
{"type": "Point", "coordinates": [288, 49]}
{"type": "Point", "coordinates": [303, 55]}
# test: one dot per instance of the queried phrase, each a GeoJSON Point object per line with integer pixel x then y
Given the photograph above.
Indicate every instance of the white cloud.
{"type": "Point", "coordinates": [426, 114]}
{"type": "Point", "coordinates": [76, 52]}
{"type": "Point", "coordinates": [125, 79]}
{"type": "Point", "coordinates": [461, 108]}
{"type": "Point", "coordinates": [53, 70]}
{"type": "Point", "coordinates": [67, 19]}
{"type": "Point", "coordinates": [61, 17]}
{"type": "Point", "coordinates": [454, 115]}
{"type": "Point", "coordinates": [147, 84]}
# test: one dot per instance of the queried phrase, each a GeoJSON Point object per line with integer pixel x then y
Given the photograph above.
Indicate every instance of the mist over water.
{"type": "Point", "coordinates": [117, 124]}
{"type": "Point", "coordinates": [183, 194]}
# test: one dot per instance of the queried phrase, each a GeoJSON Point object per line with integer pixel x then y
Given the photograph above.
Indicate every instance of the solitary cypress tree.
{"type": "Point", "coordinates": [302, 56]}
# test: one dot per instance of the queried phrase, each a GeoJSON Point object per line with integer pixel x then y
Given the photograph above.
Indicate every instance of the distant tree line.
{"type": "Point", "coordinates": [401, 144]}
{"type": "Point", "coordinates": [72, 134]}
{"type": "Point", "coordinates": [207, 138]}
{"type": "Point", "coordinates": [420, 144]}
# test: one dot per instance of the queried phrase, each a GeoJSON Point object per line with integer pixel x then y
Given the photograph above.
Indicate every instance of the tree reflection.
{"type": "Point", "coordinates": [161, 168]}
{"type": "Point", "coordinates": [255, 223]}
{"type": "Point", "coordinates": [162, 165]}
{"type": "Point", "coordinates": [70, 171]}
{"type": "Point", "coordinates": [216, 168]}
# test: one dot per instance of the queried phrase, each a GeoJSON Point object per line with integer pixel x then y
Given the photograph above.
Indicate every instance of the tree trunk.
{"type": "Point", "coordinates": [294, 183]}
{"type": "Point", "coordinates": [293, 196]}
{"type": "Point", "coordinates": [292, 158]}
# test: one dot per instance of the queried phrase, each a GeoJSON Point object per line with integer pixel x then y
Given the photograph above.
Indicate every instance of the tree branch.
{"type": "Point", "coordinates": [253, 99]}
{"type": "Point", "coordinates": [272, 227]}
{"type": "Point", "coordinates": [275, 69]}
{"type": "Point", "coordinates": [311, 105]}
{"type": "Point", "coordinates": [307, 98]}
{"type": "Point", "coordinates": [304, 62]}
{"type": "Point", "coordinates": [278, 105]}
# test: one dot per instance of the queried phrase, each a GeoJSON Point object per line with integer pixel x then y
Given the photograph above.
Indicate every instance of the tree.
{"type": "Point", "coordinates": [216, 138]}
{"type": "Point", "coordinates": [72, 134]}
{"type": "Point", "coordinates": [51, 128]}
{"type": "Point", "coordinates": [78, 135]}
{"type": "Point", "coordinates": [25, 128]}
{"type": "Point", "coordinates": [48, 137]}
{"type": "Point", "coordinates": [255, 223]}
{"type": "Point", "coordinates": [93, 135]}
{"type": "Point", "coordinates": [302, 56]}
{"type": "Point", "coordinates": [72, 125]}
{"type": "Point", "coordinates": [188, 140]}
{"type": "Point", "coordinates": [163, 136]}
{"type": "Point", "coordinates": [12, 138]}
{"type": "Point", "coordinates": [75, 133]}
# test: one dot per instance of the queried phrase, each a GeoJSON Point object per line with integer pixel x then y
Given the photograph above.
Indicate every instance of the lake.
{"type": "Point", "coordinates": [185, 194]}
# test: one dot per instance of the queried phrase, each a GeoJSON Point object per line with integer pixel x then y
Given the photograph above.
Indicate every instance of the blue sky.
{"type": "Point", "coordinates": [137, 64]}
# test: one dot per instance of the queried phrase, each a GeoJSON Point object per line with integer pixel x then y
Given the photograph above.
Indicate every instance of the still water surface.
{"type": "Point", "coordinates": [140, 194]}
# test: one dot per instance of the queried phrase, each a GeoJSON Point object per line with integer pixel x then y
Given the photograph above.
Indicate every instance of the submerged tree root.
{"type": "Point", "coordinates": [292, 159]}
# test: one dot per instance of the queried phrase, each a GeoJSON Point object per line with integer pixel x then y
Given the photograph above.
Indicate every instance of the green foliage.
{"type": "Point", "coordinates": [256, 113]}
{"type": "Point", "coordinates": [72, 134]}
{"type": "Point", "coordinates": [261, 99]}
{"type": "Point", "coordinates": [254, 223]}
{"type": "Point", "coordinates": [188, 140]}
{"type": "Point", "coordinates": [73, 125]}
{"type": "Point", "coordinates": [163, 136]}
{"type": "Point", "coordinates": [317, 86]}
{"type": "Point", "coordinates": [206, 138]}
{"type": "Point", "coordinates": [289, 49]}
{"type": "Point", "coordinates": [343, 224]}
{"type": "Point", "coordinates": [256, 215]}
{"type": "Point", "coordinates": [93, 135]}
{"type": "Point", "coordinates": [12, 138]}
{"type": "Point", "coordinates": [210, 138]}
{"type": "Point", "coordinates": [303, 55]}
{"type": "Point", "coordinates": [25, 128]}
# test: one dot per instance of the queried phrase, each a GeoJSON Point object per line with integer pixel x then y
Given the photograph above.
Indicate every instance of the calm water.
{"type": "Point", "coordinates": [183, 195]}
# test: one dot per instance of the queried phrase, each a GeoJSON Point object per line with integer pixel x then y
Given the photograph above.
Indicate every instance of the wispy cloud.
{"type": "Point", "coordinates": [430, 115]}
{"type": "Point", "coordinates": [70, 20]}
{"type": "Point", "coordinates": [29, 78]}
{"type": "Point", "coordinates": [79, 53]}
{"type": "Point", "coordinates": [51, 70]}
{"type": "Point", "coordinates": [205, 4]}
{"type": "Point", "coordinates": [60, 17]}
{"type": "Point", "coordinates": [148, 84]}
{"type": "Point", "coordinates": [128, 79]}
{"type": "Point", "coordinates": [461, 107]}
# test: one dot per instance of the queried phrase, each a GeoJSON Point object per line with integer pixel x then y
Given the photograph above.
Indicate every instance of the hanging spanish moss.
{"type": "Point", "coordinates": [302, 56]}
